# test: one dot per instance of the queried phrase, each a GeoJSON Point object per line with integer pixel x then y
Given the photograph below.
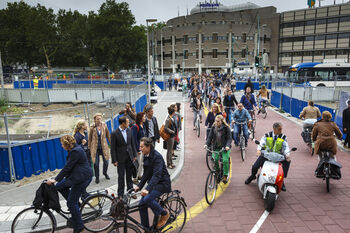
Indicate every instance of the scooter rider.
{"type": "Point", "coordinates": [273, 141]}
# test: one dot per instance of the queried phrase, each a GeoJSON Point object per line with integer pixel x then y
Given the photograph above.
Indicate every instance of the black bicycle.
{"type": "Point", "coordinates": [172, 202]}
{"type": "Point", "coordinates": [215, 176]}
{"type": "Point", "coordinates": [94, 209]}
{"type": "Point", "coordinates": [242, 139]}
{"type": "Point", "coordinates": [253, 124]}
{"type": "Point", "coordinates": [328, 168]}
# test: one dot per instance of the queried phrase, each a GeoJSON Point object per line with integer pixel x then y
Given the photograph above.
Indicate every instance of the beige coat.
{"type": "Point", "coordinates": [310, 112]}
{"type": "Point", "coordinates": [93, 141]}
{"type": "Point", "coordinates": [323, 136]}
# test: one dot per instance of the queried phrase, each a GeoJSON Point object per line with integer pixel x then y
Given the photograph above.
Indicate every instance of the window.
{"type": "Point", "coordinates": [202, 53]}
{"type": "Point", "coordinates": [309, 38]}
{"type": "Point", "coordinates": [320, 21]}
{"type": "Point", "coordinates": [226, 53]}
{"type": "Point", "coordinates": [215, 37]}
{"type": "Point", "coordinates": [345, 19]}
{"type": "Point", "coordinates": [344, 36]}
{"type": "Point", "coordinates": [310, 22]}
{"type": "Point", "coordinates": [197, 38]}
{"type": "Point", "coordinates": [185, 39]}
{"type": "Point", "coordinates": [193, 24]}
{"type": "Point", "coordinates": [213, 22]}
{"type": "Point", "coordinates": [299, 24]}
{"type": "Point", "coordinates": [197, 54]}
{"type": "Point", "coordinates": [332, 36]}
{"type": "Point", "coordinates": [185, 54]}
{"type": "Point", "coordinates": [320, 37]}
{"type": "Point", "coordinates": [243, 52]}
{"type": "Point", "coordinates": [244, 36]}
{"type": "Point", "coordinates": [215, 53]}
{"type": "Point", "coordinates": [333, 20]}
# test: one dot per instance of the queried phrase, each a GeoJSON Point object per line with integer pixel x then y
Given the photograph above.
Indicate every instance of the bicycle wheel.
{"type": "Point", "coordinates": [210, 188]}
{"type": "Point", "coordinates": [210, 161]}
{"type": "Point", "coordinates": [121, 227]}
{"type": "Point", "coordinates": [242, 147]}
{"type": "Point", "coordinates": [253, 129]}
{"type": "Point", "coordinates": [327, 171]}
{"type": "Point", "coordinates": [95, 212]}
{"type": "Point", "coordinates": [34, 220]}
{"type": "Point", "coordinates": [178, 215]}
{"type": "Point", "coordinates": [264, 112]}
{"type": "Point", "coordinates": [198, 128]}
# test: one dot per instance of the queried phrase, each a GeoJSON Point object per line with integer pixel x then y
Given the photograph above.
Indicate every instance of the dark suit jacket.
{"type": "Point", "coordinates": [77, 168]}
{"type": "Point", "coordinates": [230, 103]}
{"type": "Point", "coordinates": [156, 128]}
{"type": "Point", "coordinates": [346, 119]}
{"type": "Point", "coordinates": [119, 149]}
{"type": "Point", "coordinates": [155, 173]}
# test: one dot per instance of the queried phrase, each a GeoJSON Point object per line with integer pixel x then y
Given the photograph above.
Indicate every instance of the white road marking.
{"type": "Point", "coordinates": [260, 222]}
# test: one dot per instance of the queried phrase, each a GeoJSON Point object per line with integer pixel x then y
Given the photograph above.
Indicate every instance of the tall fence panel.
{"type": "Point", "coordinates": [275, 99]}
{"type": "Point", "coordinates": [4, 165]}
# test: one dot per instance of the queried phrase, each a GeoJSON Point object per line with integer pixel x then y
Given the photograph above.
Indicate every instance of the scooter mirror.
{"type": "Point", "coordinates": [257, 142]}
{"type": "Point", "coordinates": [294, 149]}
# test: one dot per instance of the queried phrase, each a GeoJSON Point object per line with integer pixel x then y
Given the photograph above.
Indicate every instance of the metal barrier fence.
{"type": "Point", "coordinates": [24, 158]}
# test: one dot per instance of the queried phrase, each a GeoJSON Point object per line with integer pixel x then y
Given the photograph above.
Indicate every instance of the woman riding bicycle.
{"type": "Point", "coordinates": [197, 107]}
{"type": "Point", "coordinates": [220, 137]}
{"type": "Point", "coordinates": [215, 110]}
{"type": "Point", "coordinates": [73, 179]}
{"type": "Point", "coordinates": [263, 96]}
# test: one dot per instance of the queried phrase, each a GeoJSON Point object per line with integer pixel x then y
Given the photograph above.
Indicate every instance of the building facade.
{"type": "Point", "coordinates": [214, 37]}
{"type": "Point", "coordinates": [315, 34]}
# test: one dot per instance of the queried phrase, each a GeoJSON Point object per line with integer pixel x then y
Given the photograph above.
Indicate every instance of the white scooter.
{"type": "Point", "coordinates": [270, 179]}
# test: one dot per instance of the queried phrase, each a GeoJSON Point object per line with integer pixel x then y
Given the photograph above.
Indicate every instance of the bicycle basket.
{"type": "Point", "coordinates": [118, 210]}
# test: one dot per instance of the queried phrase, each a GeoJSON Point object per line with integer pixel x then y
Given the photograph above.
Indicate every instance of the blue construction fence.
{"type": "Point", "coordinates": [37, 157]}
{"type": "Point", "coordinates": [294, 106]}
{"type": "Point", "coordinates": [48, 84]}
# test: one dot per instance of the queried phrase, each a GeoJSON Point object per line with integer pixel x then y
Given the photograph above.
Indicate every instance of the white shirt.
{"type": "Point", "coordinates": [124, 134]}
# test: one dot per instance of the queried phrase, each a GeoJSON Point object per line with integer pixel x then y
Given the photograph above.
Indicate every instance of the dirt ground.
{"type": "Point", "coordinates": [56, 118]}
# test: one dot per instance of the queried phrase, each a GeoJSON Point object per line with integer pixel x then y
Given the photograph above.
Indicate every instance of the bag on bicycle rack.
{"type": "Point", "coordinates": [117, 210]}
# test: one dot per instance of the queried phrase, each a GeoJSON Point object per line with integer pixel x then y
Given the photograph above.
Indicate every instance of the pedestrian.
{"type": "Point", "coordinates": [176, 82]}
{"type": "Point", "coordinates": [177, 118]}
{"type": "Point", "coordinates": [80, 134]}
{"type": "Point", "coordinates": [124, 154]}
{"type": "Point", "coordinates": [151, 124]}
{"type": "Point", "coordinates": [138, 132]}
{"type": "Point", "coordinates": [346, 125]}
{"type": "Point", "coordinates": [98, 146]}
{"type": "Point", "coordinates": [74, 177]}
{"type": "Point", "coordinates": [170, 81]}
{"type": "Point", "coordinates": [130, 113]}
{"type": "Point", "coordinates": [170, 128]}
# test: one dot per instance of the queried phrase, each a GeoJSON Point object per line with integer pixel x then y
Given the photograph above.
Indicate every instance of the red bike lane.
{"type": "Point", "coordinates": [305, 207]}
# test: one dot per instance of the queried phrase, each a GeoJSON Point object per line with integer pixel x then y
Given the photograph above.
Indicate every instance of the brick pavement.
{"type": "Point", "coordinates": [305, 207]}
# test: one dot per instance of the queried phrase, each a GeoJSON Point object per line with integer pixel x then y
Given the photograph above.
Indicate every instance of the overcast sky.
{"type": "Point", "coordinates": [162, 10]}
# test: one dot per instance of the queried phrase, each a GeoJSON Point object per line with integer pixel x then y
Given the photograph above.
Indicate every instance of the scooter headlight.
{"type": "Point", "coordinates": [271, 179]}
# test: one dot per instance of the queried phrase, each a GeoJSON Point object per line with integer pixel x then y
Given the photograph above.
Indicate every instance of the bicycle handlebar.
{"type": "Point", "coordinates": [212, 151]}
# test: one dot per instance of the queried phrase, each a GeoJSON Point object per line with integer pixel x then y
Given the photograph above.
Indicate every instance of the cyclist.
{"type": "Point", "coordinates": [215, 110]}
{"type": "Point", "coordinates": [220, 137]}
{"type": "Point", "coordinates": [273, 141]}
{"type": "Point", "coordinates": [241, 115]}
{"type": "Point", "coordinates": [229, 103]}
{"type": "Point", "coordinates": [212, 95]}
{"type": "Point", "coordinates": [197, 107]}
{"type": "Point", "coordinates": [263, 96]}
{"type": "Point", "coordinates": [73, 179]}
{"type": "Point", "coordinates": [184, 85]}
{"type": "Point", "coordinates": [309, 114]}
{"type": "Point", "coordinates": [158, 182]}
{"type": "Point", "coordinates": [248, 100]}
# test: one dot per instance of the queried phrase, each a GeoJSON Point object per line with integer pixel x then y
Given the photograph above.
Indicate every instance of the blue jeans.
{"type": "Point", "coordinates": [150, 201]}
{"type": "Point", "coordinates": [237, 130]}
{"type": "Point", "coordinates": [72, 192]}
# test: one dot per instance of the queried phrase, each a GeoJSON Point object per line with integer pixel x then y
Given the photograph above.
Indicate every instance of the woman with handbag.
{"type": "Point", "coordinates": [170, 128]}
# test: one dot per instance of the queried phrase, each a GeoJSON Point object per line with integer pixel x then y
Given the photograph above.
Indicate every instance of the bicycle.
{"type": "Point", "coordinates": [94, 210]}
{"type": "Point", "coordinates": [184, 89]}
{"type": "Point", "coordinates": [263, 109]}
{"type": "Point", "coordinates": [214, 178]}
{"type": "Point", "coordinates": [197, 124]}
{"type": "Point", "coordinates": [242, 140]}
{"type": "Point", "coordinates": [253, 124]}
{"type": "Point", "coordinates": [172, 202]}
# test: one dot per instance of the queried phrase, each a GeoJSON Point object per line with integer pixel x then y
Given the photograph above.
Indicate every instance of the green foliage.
{"type": "Point", "coordinates": [36, 36]}
{"type": "Point", "coordinates": [3, 106]}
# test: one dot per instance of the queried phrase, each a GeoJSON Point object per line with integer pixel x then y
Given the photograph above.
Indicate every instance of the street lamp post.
{"type": "Point", "coordinates": [148, 62]}
{"type": "Point", "coordinates": [161, 51]}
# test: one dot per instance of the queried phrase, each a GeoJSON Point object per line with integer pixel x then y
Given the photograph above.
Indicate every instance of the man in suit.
{"type": "Point", "coordinates": [123, 154]}
{"type": "Point", "coordinates": [151, 124]}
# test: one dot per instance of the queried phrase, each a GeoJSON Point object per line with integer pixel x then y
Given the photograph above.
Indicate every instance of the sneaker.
{"type": "Point", "coordinates": [224, 180]}
{"type": "Point", "coordinates": [250, 179]}
{"type": "Point", "coordinates": [107, 177]}
{"type": "Point", "coordinates": [162, 220]}
{"type": "Point", "coordinates": [97, 180]}
{"type": "Point", "coordinates": [283, 187]}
